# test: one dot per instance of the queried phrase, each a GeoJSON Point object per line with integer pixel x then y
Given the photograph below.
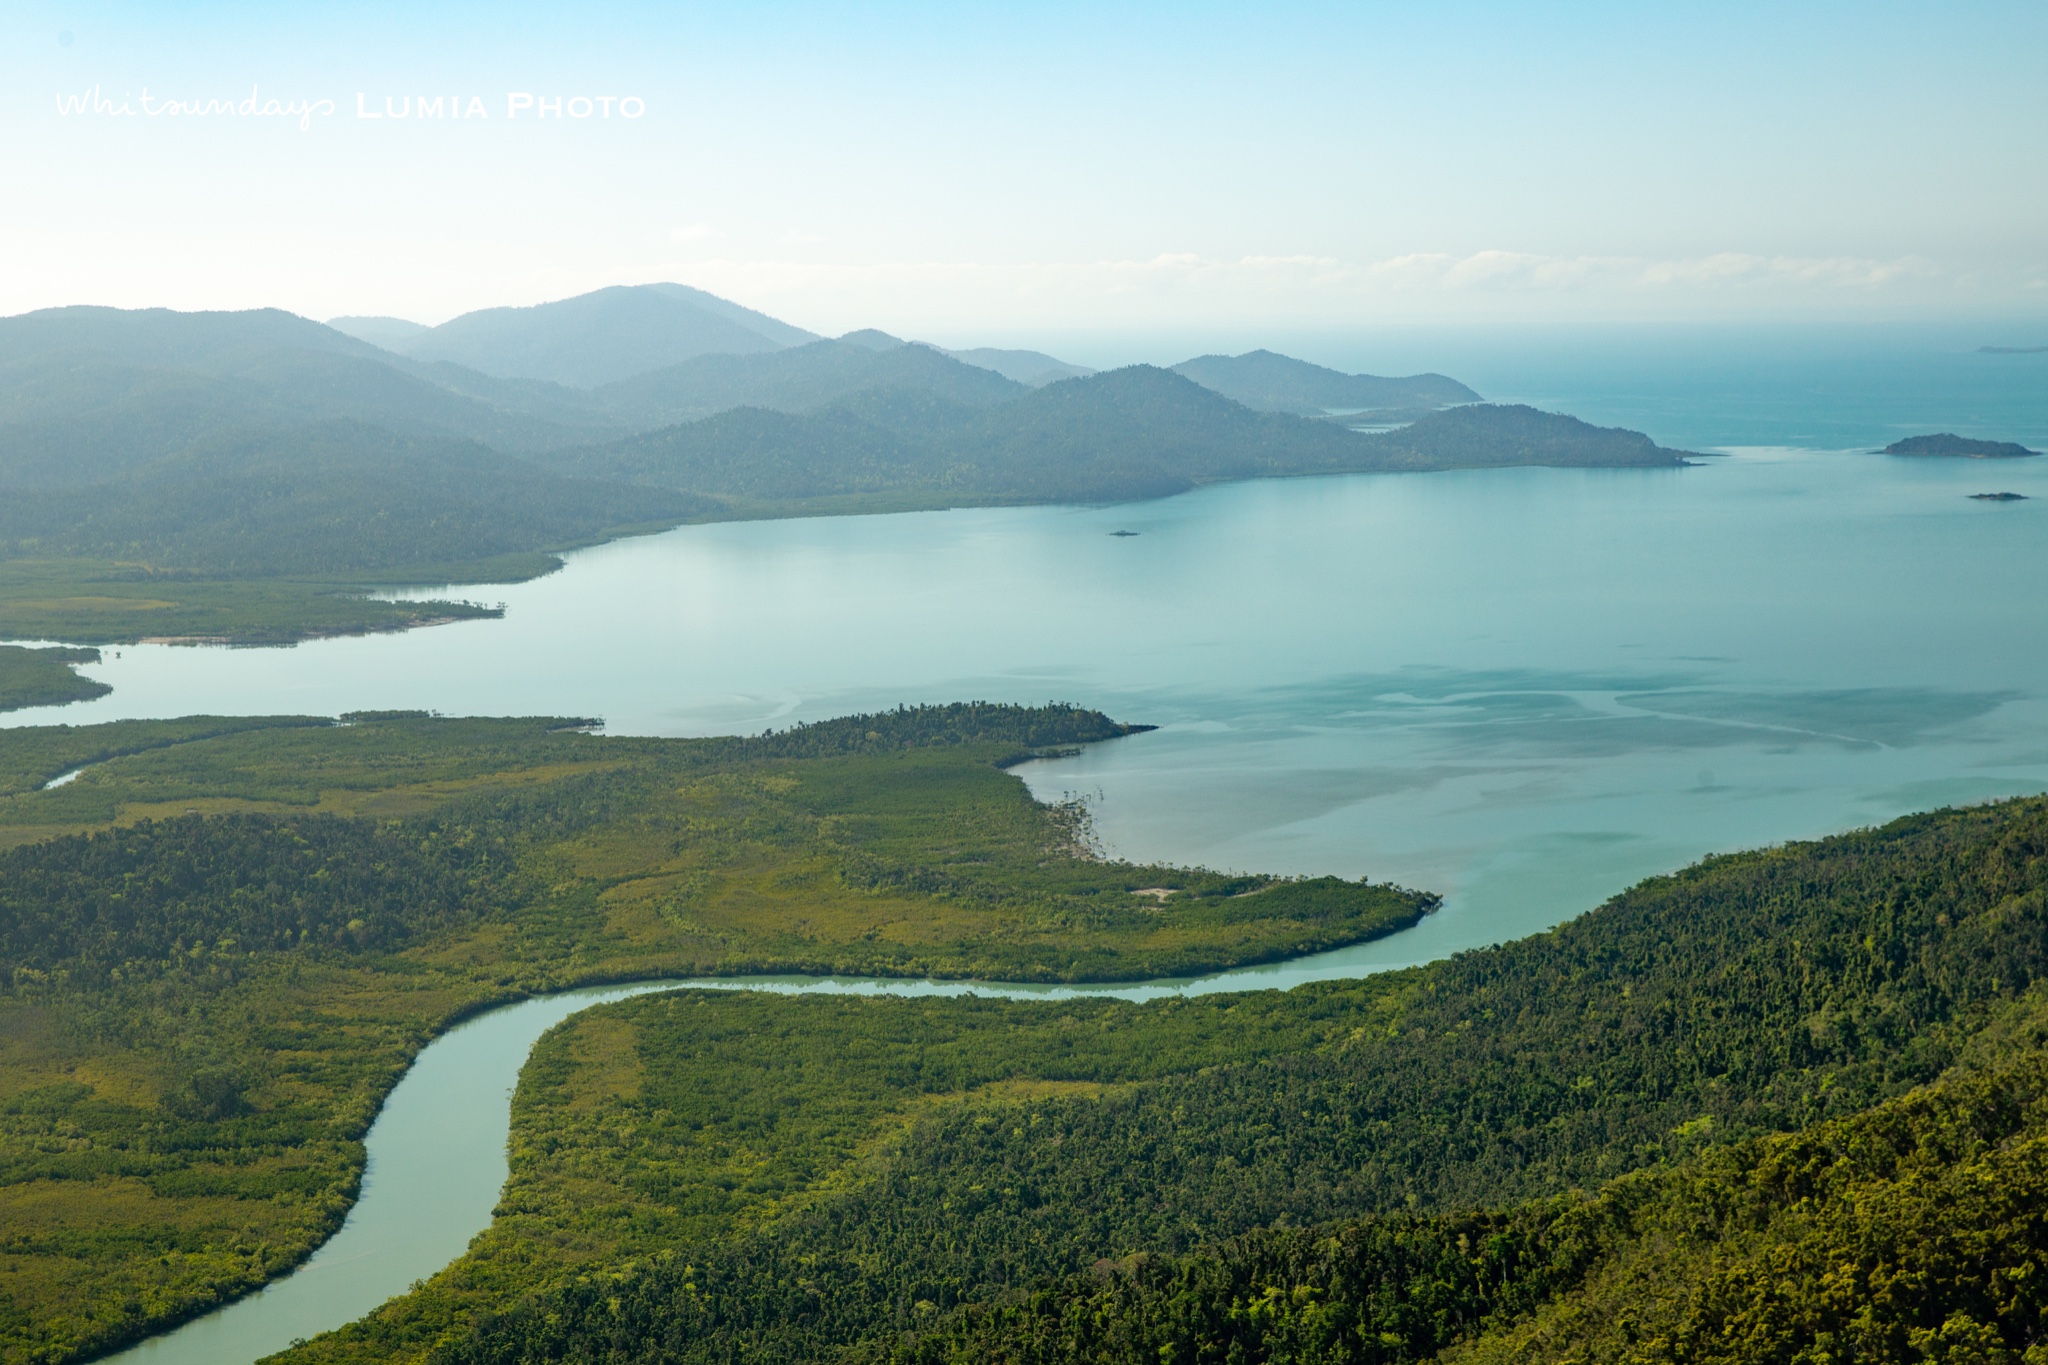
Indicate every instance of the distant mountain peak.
{"type": "Point", "coordinates": [1272, 382]}
{"type": "Point", "coordinates": [608, 334]}
{"type": "Point", "coordinates": [872, 339]}
{"type": "Point", "coordinates": [1035, 368]}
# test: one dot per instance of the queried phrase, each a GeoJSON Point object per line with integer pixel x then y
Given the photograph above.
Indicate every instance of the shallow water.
{"type": "Point", "coordinates": [1521, 688]}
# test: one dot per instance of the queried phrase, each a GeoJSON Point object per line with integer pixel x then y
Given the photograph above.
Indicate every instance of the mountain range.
{"type": "Point", "coordinates": [261, 443]}
{"type": "Point", "coordinates": [1276, 383]}
{"type": "Point", "coordinates": [588, 340]}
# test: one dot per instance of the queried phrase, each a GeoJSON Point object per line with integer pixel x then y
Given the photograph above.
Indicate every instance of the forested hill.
{"type": "Point", "coordinates": [1132, 433]}
{"type": "Point", "coordinates": [1948, 444]}
{"type": "Point", "coordinates": [1791, 1097]}
{"type": "Point", "coordinates": [1486, 435]}
{"type": "Point", "coordinates": [330, 498]}
{"type": "Point", "coordinates": [1679, 1128]}
{"type": "Point", "coordinates": [595, 338]}
{"type": "Point", "coordinates": [261, 448]}
{"type": "Point", "coordinates": [799, 379]}
{"type": "Point", "coordinates": [1277, 383]}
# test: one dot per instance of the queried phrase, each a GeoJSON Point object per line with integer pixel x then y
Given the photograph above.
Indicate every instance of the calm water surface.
{"type": "Point", "coordinates": [437, 1152]}
{"type": "Point", "coordinates": [1521, 688]}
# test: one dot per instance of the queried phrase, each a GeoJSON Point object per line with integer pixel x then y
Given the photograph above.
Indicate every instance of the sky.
{"type": "Point", "coordinates": [987, 174]}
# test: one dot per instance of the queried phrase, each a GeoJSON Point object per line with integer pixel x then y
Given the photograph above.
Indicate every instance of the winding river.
{"type": "Point", "coordinates": [437, 1150]}
{"type": "Point", "coordinates": [1523, 689]}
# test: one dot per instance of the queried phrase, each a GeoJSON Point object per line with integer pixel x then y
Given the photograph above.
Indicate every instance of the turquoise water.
{"type": "Point", "coordinates": [1521, 688]}
{"type": "Point", "coordinates": [437, 1151]}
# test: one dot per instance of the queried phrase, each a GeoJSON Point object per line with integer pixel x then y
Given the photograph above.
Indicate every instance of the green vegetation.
{"type": "Point", "coordinates": [1137, 432]}
{"type": "Point", "coordinates": [1131, 433]}
{"type": "Point", "coordinates": [339, 498]}
{"type": "Point", "coordinates": [1949, 444]}
{"type": "Point", "coordinates": [601, 336]}
{"type": "Point", "coordinates": [223, 941]}
{"type": "Point", "coordinates": [46, 677]}
{"type": "Point", "coordinates": [247, 476]}
{"type": "Point", "coordinates": [102, 602]}
{"type": "Point", "coordinates": [1276, 383]}
{"type": "Point", "coordinates": [1719, 1055]}
{"type": "Point", "coordinates": [800, 379]}
{"type": "Point", "coordinates": [1778, 1102]}
{"type": "Point", "coordinates": [1484, 435]}
{"type": "Point", "coordinates": [1911, 1232]}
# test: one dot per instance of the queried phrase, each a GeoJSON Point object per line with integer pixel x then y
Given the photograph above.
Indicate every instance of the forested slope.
{"type": "Point", "coordinates": [1796, 990]}
{"type": "Point", "coordinates": [244, 477]}
{"type": "Point", "coordinates": [222, 942]}
{"type": "Point", "coordinates": [1915, 1231]}
{"type": "Point", "coordinates": [1278, 383]}
{"type": "Point", "coordinates": [1137, 432]}
{"type": "Point", "coordinates": [334, 498]}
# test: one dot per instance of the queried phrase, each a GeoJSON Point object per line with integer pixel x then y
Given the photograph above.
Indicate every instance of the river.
{"type": "Point", "coordinates": [437, 1150]}
{"type": "Point", "coordinates": [1523, 689]}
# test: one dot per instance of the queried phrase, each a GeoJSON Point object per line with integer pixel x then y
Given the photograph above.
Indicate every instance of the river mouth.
{"type": "Point", "coordinates": [436, 1153]}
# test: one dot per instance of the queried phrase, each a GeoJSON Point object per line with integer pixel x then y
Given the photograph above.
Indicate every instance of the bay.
{"type": "Point", "coordinates": [1521, 688]}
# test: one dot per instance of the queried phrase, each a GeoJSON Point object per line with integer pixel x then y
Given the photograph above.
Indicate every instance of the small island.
{"type": "Point", "coordinates": [1950, 445]}
{"type": "Point", "coordinates": [1998, 497]}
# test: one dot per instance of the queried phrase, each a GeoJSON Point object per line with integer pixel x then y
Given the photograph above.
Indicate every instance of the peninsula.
{"type": "Point", "coordinates": [256, 477]}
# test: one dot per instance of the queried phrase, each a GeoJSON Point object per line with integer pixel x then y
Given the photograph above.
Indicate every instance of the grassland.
{"type": "Point", "coordinates": [223, 941]}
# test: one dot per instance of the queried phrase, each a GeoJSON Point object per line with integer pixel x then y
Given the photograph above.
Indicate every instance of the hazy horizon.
{"type": "Point", "coordinates": [1007, 178]}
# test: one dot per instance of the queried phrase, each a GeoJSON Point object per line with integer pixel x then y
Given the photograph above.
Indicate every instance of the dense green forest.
{"type": "Point", "coordinates": [1660, 1131]}
{"type": "Point", "coordinates": [1912, 1231]}
{"type": "Point", "coordinates": [246, 477]}
{"type": "Point", "coordinates": [46, 677]}
{"type": "Point", "coordinates": [222, 942]}
{"type": "Point", "coordinates": [1698, 1109]}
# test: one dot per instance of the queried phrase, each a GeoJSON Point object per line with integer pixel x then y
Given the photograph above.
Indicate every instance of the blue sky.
{"type": "Point", "coordinates": [980, 172]}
